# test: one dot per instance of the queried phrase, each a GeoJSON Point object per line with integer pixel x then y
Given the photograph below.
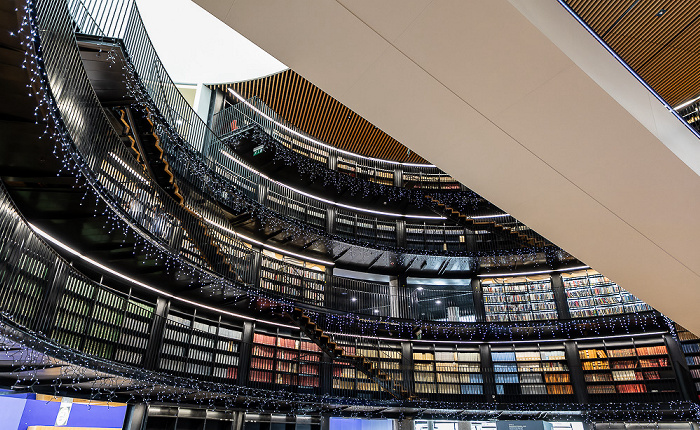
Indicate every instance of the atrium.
{"type": "Point", "coordinates": [422, 224]}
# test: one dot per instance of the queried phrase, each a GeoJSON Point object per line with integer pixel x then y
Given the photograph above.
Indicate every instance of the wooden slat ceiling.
{"type": "Point", "coordinates": [316, 113]}
{"type": "Point", "coordinates": [657, 39]}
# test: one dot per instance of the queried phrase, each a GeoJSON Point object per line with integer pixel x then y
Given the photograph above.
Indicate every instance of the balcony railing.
{"type": "Point", "coordinates": [254, 112]}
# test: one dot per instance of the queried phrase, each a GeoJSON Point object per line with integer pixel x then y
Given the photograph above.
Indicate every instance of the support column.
{"type": "Point", "coordinates": [56, 281]}
{"type": "Point", "coordinates": [333, 162]}
{"type": "Point", "coordinates": [238, 421]}
{"type": "Point", "coordinates": [262, 194]}
{"type": "Point", "coordinates": [245, 352]}
{"type": "Point", "coordinates": [404, 424]}
{"type": "Point", "coordinates": [257, 265]}
{"type": "Point", "coordinates": [135, 417]}
{"type": "Point", "coordinates": [401, 233]}
{"type": "Point", "coordinates": [326, 375]}
{"type": "Point", "coordinates": [407, 365]}
{"type": "Point", "coordinates": [398, 178]}
{"type": "Point", "coordinates": [578, 381]}
{"type": "Point", "coordinates": [680, 367]}
{"type": "Point", "coordinates": [487, 373]}
{"type": "Point", "coordinates": [394, 299]}
{"type": "Point", "coordinates": [560, 297]}
{"type": "Point", "coordinates": [325, 421]}
{"type": "Point", "coordinates": [155, 341]}
{"type": "Point", "coordinates": [479, 310]}
{"type": "Point", "coordinates": [330, 220]}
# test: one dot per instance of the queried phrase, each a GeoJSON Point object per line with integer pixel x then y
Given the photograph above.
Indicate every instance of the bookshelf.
{"type": "Point", "coordinates": [518, 299]}
{"type": "Point", "coordinates": [591, 294]}
{"type": "Point", "coordinates": [300, 280]}
{"type": "Point", "coordinates": [102, 322]}
{"type": "Point", "coordinates": [441, 372]}
{"type": "Point", "coordinates": [634, 366]}
{"type": "Point", "coordinates": [690, 344]}
{"type": "Point", "coordinates": [285, 359]}
{"type": "Point", "coordinates": [532, 370]}
{"type": "Point", "coordinates": [348, 381]}
{"type": "Point", "coordinates": [194, 345]}
{"type": "Point", "coordinates": [28, 275]}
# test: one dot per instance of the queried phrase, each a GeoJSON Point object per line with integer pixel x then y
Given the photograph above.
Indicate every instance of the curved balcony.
{"type": "Point", "coordinates": [200, 158]}
{"type": "Point", "coordinates": [512, 360]}
{"type": "Point", "coordinates": [160, 344]}
{"type": "Point", "coordinates": [197, 238]}
{"type": "Point", "coordinates": [253, 112]}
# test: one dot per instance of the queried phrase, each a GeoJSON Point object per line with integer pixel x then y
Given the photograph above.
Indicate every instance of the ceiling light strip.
{"type": "Point", "coordinates": [538, 272]}
{"type": "Point", "coordinates": [355, 208]}
{"type": "Point", "coordinates": [141, 284]}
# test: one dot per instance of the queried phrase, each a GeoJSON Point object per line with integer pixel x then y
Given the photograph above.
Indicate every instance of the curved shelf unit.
{"type": "Point", "coordinates": [198, 239]}
{"type": "Point", "coordinates": [135, 337]}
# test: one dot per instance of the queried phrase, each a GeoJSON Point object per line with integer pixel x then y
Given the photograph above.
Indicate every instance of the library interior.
{"type": "Point", "coordinates": [454, 215]}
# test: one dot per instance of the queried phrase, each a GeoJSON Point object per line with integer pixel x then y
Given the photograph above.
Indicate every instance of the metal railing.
{"type": "Point", "coordinates": [255, 112]}
{"type": "Point", "coordinates": [194, 236]}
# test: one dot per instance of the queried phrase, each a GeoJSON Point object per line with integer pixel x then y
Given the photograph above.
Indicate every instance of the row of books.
{"type": "Point", "coordinates": [542, 367]}
{"type": "Point", "coordinates": [592, 291]}
{"type": "Point", "coordinates": [612, 389]}
{"type": "Point", "coordinates": [516, 317]}
{"type": "Point", "coordinates": [457, 356]}
{"type": "Point", "coordinates": [458, 367]}
{"type": "Point", "coordinates": [625, 352]}
{"type": "Point", "coordinates": [586, 281]}
{"type": "Point", "coordinates": [453, 378]}
{"type": "Point", "coordinates": [693, 361]}
{"type": "Point", "coordinates": [690, 348]}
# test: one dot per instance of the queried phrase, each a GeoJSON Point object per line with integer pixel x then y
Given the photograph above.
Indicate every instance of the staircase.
{"type": "Point", "coordinates": [140, 131]}
{"type": "Point", "coordinates": [493, 226]}
{"type": "Point", "coordinates": [138, 134]}
{"type": "Point", "coordinates": [361, 363]}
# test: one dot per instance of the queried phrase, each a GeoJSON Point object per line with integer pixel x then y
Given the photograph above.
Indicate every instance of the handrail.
{"type": "Point", "coordinates": [225, 172]}
{"type": "Point", "coordinates": [41, 292]}
{"type": "Point", "coordinates": [121, 182]}
{"type": "Point", "coordinates": [263, 115]}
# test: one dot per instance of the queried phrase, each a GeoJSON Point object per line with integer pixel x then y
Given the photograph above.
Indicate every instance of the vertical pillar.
{"type": "Point", "coordinates": [262, 194]}
{"type": "Point", "coordinates": [325, 421]}
{"type": "Point", "coordinates": [257, 265]}
{"type": "Point", "coordinates": [238, 420]}
{"type": "Point", "coordinates": [398, 178]}
{"type": "Point", "coordinates": [326, 375]}
{"type": "Point", "coordinates": [246, 352]}
{"type": "Point", "coordinates": [680, 368]}
{"type": "Point", "coordinates": [135, 417]}
{"type": "Point", "coordinates": [394, 299]}
{"type": "Point", "coordinates": [487, 373]}
{"type": "Point", "coordinates": [578, 381]}
{"type": "Point", "coordinates": [333, 162]}
{"type": "Point", "coordinates": [403, 424]}
{"type": "Point", "coordinates": [401, 233]}
{"type": "Point", "coordinates": [407, 365]}
{"type": "Point", "coordinates": [55, 285]}
{"type": "Point", "coordinates": [330, 220]}
{"type": "Point", "coordinates": [155, 341]}
{"type": "Point", "coordinates": [479, 310]}
{"type": "Point", "coordinates": [560, 297]}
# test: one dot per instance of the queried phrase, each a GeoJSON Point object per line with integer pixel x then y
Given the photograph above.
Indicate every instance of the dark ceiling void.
{"type": "Point", "coordinates": [316, 113]}
{"type": "Point", "coordinates": [657, 39]}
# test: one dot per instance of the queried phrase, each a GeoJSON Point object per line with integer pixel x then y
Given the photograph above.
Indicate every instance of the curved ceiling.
{"type": "Point", "coordinates": [318, 114]}
{"type": "Point", "coordinates": [515, 99]}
